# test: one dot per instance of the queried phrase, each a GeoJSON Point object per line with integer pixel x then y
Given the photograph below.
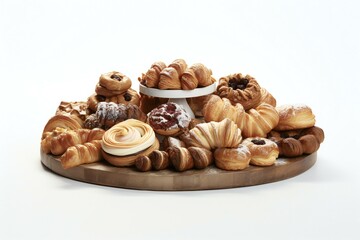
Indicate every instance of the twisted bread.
{"type": "Point", "coordinates": [60, 139]}
{"type": "Point", "coordinates": [253, 123]}
{"type": "Point", "coordinates": [213, 135]}
{"type": "Point", "coordinates": [88, 152]}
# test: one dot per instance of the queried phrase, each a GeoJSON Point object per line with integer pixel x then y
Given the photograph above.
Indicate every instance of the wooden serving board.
{"type": "Point", "coordinates": [103, 173]}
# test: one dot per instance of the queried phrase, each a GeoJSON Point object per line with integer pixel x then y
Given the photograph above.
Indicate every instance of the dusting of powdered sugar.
{"type": "Point", "coordinates": [290, 109]}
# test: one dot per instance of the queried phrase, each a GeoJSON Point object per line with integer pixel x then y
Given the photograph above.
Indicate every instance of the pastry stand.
{"type": "Point", "coordinates": [179, 96]}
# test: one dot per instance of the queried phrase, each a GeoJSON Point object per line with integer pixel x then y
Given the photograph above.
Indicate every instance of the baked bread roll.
{"type": "Point", "coordinates": [253, 123]}
{"type": "Point", "coordinates": [79, 154]}
{"type": "Point", "coordinates": [264, 152]}
{"type": "Point", "coordinates": [240, 89]}
{"type": "Point", "coordinates": [214, 135]}
{"type": "Point", "coordinates": [294, 117]}
{"type": "Point", "coordinates": [232, 158]}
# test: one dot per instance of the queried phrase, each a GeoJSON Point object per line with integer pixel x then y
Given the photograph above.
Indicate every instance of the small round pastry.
{"type": "Point", "coordinates": [240, 89]}
{"type": "Point", "coordinates": [115, 81]}
{"type": "Point", "coordinates": [130, 96]}
{"type": "Point", "coordinates": [264, 152]}
{"type": "Point", "coordinates": [168, 119]}
{"type": "Point", "coordinates": [126, 141]}
{"type": "Point", "coordinates": [232, 158]}
{"type": "Point", "coordinates": [100, 90]}
{"type": "Point", "coordinates": [294, 117]}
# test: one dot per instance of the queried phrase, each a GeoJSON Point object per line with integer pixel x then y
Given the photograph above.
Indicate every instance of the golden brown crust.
{"type": "Point", "coordinates": [240, 89]}
{"type": "Point", "coordinates": [79, 154]}
{"type": "Point", "coordinates": [170, 142]}
{"type": "Point", "coordinates": [179, 65]}
{"type": "Point", "coordinates": [294, 117]}
{"type": "Point", "coordinates": [180, 158]}
{"type": "Point", "coordinates": [196, 75]}
{"type": "Point", "coordinates": [169, 79]}
{"type": "Point", "coordinates": [152, 76]}
{"type": "Point", "coordinates": [232, 158]}
{"type": "Point", "coordinates": [143, 163]}
{"type": "Point", "coordinates": [159, 160]}
{"type": "Point", "coordinates": [63, 121]}
{"type": "Point", "coordinates": [100, 90]}
{"type": "Point", "coordinates": [266, 97]}
{"type": "Point", "coordinates": [264, 152]}
{"type": "Point", "coordinates": [197, 104]}
{"type": "Point", "coordinates": [202, 157]}
{"type": "Point", "coordinates": [78, 109]}
{"type": "Point", "coordinates": [253, 123]}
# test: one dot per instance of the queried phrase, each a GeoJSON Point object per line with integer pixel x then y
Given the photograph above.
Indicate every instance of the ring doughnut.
{"type": "Point", "coordinates": [264, 152]}
{"type": "Point", "coordinates": [115, 81]}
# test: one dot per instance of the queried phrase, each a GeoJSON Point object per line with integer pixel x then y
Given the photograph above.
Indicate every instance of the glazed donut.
{"type": "Point", "coordinates": [264, 152]}
{"type": "Point", "coordinates": [168, 119]}
{"type": "Point", "coordinates": [294, 117]}
{"type": "Point", "coordinates": [232, 158]}
{"type": "Point", "coordinates": [126, 141]}
{"type": "Point", "coordinates": [115, 81]}
{"type": "Point", "coordinates": [295, 143]}
{"type": "Point", "coordinates": [240, 89]}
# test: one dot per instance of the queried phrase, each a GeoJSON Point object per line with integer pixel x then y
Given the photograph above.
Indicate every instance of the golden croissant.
{"type": "Point", "coordinates": [213, 135]}
{"type": "Point", "coordinates": [88, 152]}
{"type": "Point", "coordinates": [253, 123]}
{"type": "Point", "coordinates": [196, 75]}
{"type": "Point", "coordinates": [180, 158]}
{"type": "Point", "coordinates": [152, 76]}
{"type": "Point", "coordinates": [169, 79]}
{"type": "Point", "coordinates": [60, 140]}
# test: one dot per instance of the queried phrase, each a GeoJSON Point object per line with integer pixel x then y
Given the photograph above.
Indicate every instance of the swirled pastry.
{"type": "Point", "coordinates": [294, 117]}
{"type": "Point", "coordinates": [240, 89]}
{"type": "Point", "coordinates": [127, 140]}
{"type": "Point", "coordinates": [214, 135]}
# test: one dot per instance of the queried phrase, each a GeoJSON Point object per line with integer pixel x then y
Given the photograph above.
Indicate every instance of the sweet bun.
{"type": "Point", "coordinates": [294, 117]}
{"type": "Point", "coordinates": [232, 158]}
{"type": "Point", "coordinates": [115, 81]}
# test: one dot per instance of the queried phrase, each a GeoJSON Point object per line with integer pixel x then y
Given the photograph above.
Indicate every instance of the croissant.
{"type": "Point", "coordinates": [63, 121]}
{"type": "Point", "coordinates": [152, 76]}
{"type": "Point", "coordinates": [196, 75]}
{"type": "Point", "coordinates": [180, 158]}
{"type": "Point", "coordinates": [143, 163]}
{"type": "Point", "coordinates": [169, 79]}
{"type": "Point", "coordinates": [171, 141]}
{"type": "Point", "coordinates": [253, 123]}
{"type": "Point", "coordinates": [179, 65]}
{"type": "Point", "coordinates": [81, 153]}
{"type": "Point", "coordinates": [213, 135]}
{"type": "Point", "coordinates": [61, 139]}
{"type": "Point", "coordinates": [159, 160]}
{"type": "Point", "coordinates": [201, 157]}
{"type": "Point", "coordinates": [108, 114]}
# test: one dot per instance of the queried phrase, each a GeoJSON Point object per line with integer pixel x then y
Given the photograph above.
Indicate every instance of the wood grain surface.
{"type": "Point", "coordinates": [103, 173]}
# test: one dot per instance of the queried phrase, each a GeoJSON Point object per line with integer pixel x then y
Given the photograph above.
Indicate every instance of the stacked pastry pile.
{"type": "Point", "coordinates": [240, 124]}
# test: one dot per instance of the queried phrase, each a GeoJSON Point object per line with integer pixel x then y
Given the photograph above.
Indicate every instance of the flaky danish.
{"type": "Point", "coordinates": [240, 89]}
{"type": "Point", "coordinates": [264, 152]}
{"type": "Point", "coordinates": [79, 154]}
{"type": "Point", "coordinates": [115, 81]}
{"type": "Point", "coordinates": [294, 117]}
{"type": "Point", "coordinates": [232, 158]}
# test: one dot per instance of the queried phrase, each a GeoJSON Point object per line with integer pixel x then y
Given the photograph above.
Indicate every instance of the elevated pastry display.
{"type": "Point", "coordinates": [182, 131]}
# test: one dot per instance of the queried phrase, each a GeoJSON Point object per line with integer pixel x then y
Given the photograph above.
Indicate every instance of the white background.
{"type": "Point", "coordinates": [301, 51]}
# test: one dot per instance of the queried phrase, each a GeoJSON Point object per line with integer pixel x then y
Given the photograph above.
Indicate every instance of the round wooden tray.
{"type": "Point", "coordinates": [103, 173]}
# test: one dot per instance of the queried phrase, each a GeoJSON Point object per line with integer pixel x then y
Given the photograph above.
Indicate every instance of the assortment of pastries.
{"type": "Point", "coordinates": [238, 125]}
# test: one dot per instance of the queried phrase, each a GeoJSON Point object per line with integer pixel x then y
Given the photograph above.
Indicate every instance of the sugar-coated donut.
{"type": "Point", "coordinates": [232, 158]}
{"type": "Point", "coordinates": [294, 117]}
{"type": "Point", "coordinates": [115, 81]}
{"type": "Point", "coordinates": [169, 119]}
{"type": "Point", "coordinates": [264, 152]}
{"type": "Point", "coordinates": [240, 89]}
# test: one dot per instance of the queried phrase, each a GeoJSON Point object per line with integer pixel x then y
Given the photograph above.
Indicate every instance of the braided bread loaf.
{"type": "Point", "coordinates": [256, 122]}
